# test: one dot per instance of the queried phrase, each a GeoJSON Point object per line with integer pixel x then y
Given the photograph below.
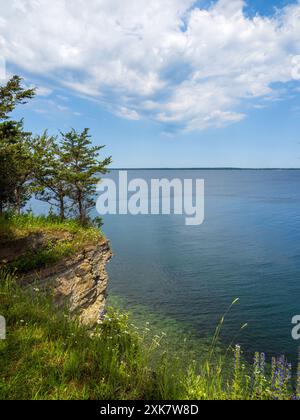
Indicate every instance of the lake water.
{"type": "Point", "coordinates": [247, 248]}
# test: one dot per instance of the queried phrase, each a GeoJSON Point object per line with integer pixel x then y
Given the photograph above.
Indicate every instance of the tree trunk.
{"type": "Point", "coordinates": [62, 208]}
{"type": "Point", "coordinates": [18, 202]}
{"type": "Point", "coordinates": [81, 208]}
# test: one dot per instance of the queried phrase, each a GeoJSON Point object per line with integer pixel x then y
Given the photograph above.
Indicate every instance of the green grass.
{"type": "Point", "coordinates": [13, 227]}
{"type": "Point", "coordinates": [43, 257]}
{"type": "Point", "coordinates": [48, 356]}
{"type": "Point", "coordinates": [63, 239]}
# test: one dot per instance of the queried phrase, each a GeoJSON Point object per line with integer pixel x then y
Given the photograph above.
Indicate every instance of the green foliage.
{"type": "Point", "coordinates": [52, 253]}
{"type": "Point", "coordinates": [51, 183]}
{"type": "Point", "coordinates": [69, 169]}
{"type": "Point", "coordinates": [13, 94]}
{"type": "Point", "coordinates": [48, 356]}
{"type": "Point", "coordinates": [16, 158]}
{"type": "Point", "coordinates": [14, 227]}
{"type": "Point", "coordinates": [62, 172]}
{"type": "Point", "coordinates": [16, 165]}
{"type": "Point", "coordinates": [82, 169]}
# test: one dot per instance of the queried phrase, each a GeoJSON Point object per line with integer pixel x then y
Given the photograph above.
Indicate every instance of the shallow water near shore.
{"type": "Point", "coordinates": [177, 338]}
{"type": "Point", "coordinates": [247, 248]}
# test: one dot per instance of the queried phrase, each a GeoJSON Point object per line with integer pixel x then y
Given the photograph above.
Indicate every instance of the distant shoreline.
{"type": "Point", "coordinates": [205, 169]}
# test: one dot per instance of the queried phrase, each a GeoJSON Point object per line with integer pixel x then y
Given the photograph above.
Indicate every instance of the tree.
{"type": "Point", "coordinates": [82, 170]}
{"type": "Point", "coordinates": [13, 94]}
{"type": "Point", "coordinates": [51, 183]}
{"type": "Point", "coordinates": [15, 150]}
{"type": "Point", "coordinates": [6, 178]}
{"type": "Point", "coordinates": [17, 165]}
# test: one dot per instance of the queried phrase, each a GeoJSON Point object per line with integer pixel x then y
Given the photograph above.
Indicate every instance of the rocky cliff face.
{"type": "Point", "coordinates": [78, 282]}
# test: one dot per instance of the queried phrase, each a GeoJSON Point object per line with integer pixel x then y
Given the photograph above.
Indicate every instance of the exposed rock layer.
{"type": "Point", "coordinates": [78, 282]}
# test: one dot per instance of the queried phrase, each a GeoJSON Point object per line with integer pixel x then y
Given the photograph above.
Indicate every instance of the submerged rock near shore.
{"type": "Point", "coordinates": [78, 282]}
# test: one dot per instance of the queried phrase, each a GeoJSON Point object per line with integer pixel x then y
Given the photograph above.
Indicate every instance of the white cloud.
{"type": "Point", "coordinates": [51, 108]}
{"type": "Point", "coordinates": [43, 91]}
{"type": "Point", "coordinates": [129, 114]}
{"type": "Point", "coordinates": [167, 60]}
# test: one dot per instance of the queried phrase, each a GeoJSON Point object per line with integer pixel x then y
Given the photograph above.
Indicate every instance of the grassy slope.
{"type": "Point", "coordinates": [63, 239]}
{"type": "Point", "coordinates": [16, 227]}
{"type": "Point", "coordinates": [47, 356]}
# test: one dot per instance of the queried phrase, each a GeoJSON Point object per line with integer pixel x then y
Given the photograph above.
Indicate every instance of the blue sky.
{"type": "Point", "coordinates": [164, 84]}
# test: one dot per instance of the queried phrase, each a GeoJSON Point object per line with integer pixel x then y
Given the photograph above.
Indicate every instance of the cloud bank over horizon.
{"type": "Point", "coordinates": [186, 67]}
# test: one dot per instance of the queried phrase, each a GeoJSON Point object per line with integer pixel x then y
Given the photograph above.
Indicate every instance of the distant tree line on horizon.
{"type": "Point", "coordinates": [61, 170]}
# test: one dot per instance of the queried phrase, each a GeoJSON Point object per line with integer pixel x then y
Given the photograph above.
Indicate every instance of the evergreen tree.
{"type": "Point", "coordinates": [13, 94]}
{"type": "Point", "coordinates": [16, 162]}
{"type": "Point", "coordinates": [16, 165]}
{"type": "Point", "coordinates": [82, 170]}
{"type": "Point", "coordinates": [51, 183]}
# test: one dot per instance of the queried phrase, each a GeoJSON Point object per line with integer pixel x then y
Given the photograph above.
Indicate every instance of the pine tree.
{"type": "Point", "coordinates": [82, 169]}
{"type": "Point", "coordinates": [16, 163]}
{"type": "Point", "coordinates": [13, 94]}
{"type": "Point", "coordinates": [15, 150]}
{"type": "Point", "coordinates": [51, 183]}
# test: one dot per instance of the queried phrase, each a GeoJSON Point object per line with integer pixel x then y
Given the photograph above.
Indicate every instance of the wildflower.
{"type": "Point", "coordinates": [102, 316]}
{"type": "Point", "coordinates": [259, 379]}
{"type": "Point", "coordinates": [262, 362]}
{"type": "Point", "coordinates": [237, 357]}
{"type": "Point", "coordinates": [281, 379]}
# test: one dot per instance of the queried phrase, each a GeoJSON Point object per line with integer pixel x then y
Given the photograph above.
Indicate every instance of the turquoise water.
{"type": "Point", "coordinates": [248, 247]}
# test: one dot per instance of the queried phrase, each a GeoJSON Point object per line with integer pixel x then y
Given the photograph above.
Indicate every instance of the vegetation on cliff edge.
{"type": "Point", "coordinates": [48, 356]}
{"type": "Point", "coordinates": [60, 239]}
{"type": "Point", "coordinates": [61, 170]}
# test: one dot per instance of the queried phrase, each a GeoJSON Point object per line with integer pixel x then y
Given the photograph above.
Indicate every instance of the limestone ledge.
{"type": "Point", "coordinates": [78, 283]}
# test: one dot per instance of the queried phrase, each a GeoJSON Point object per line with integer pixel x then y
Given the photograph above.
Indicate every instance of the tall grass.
{"type": "Point", "coordinates": [61, 239]}
{"type": "Point", "coordinates": [13, 226]}
{"type": "Point", "coordinates": [48, 356]}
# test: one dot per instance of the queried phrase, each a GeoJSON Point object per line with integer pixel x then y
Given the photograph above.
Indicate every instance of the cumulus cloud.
{"type": "Point", "coordinates": [171, 61]}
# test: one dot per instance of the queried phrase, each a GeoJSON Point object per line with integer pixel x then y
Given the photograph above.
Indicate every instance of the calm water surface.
{"type": "Point", "coordinates": [248, 247]}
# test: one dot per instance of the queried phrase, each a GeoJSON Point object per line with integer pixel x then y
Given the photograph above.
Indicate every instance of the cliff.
{"type": "Point", "coordinates": [72, 270]}
{"type": "Point", "coordinates": [78, 282]}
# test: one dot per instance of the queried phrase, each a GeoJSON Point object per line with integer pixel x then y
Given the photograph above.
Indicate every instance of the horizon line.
{"type": "Point", "coordinates": [219, 168]}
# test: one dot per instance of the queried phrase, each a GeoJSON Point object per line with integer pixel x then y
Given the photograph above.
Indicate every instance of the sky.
{"type": "Point", "coordinates": [172, 83]}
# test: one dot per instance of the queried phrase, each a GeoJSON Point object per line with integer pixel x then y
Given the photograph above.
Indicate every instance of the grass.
{"type": "Point", "coordinates": [48, 356]}
{"type": "Point", "coordinates": [45, 256]}
{"type": "Point", "coordinates": [13, 227]}
{"type": "Point", "coordinates": [62, 239]}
